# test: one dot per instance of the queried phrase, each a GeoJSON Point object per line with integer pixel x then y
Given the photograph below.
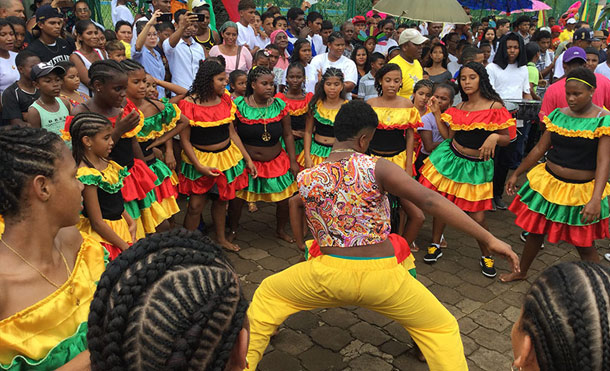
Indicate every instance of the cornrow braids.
{"type": "Point", "coordinates": [129, 65]}
{"type": "Point", "coordinates": [487, 91]}
{"type": "Point", "coordinates": [170, 302]}
{"type": "Point", "coordinates": [320, 94]}
{"type": "Point", "coordinates": [203, 85]}
{"type": "Point", "coordinates": [104, 71]}
{"type": "Point", "coordinates": [85, 124]}
{"type": "Point", "coordinates": [253, 76]}
{"type": "Point", "coordinates": [24, 153]}
{"type": "Point", "coordinates": [566, 315]}
{"type": "Point", "coordinates": [388, 67]}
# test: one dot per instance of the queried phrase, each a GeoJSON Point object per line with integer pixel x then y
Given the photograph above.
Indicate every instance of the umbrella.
{"type": "Point", "coordinates": [449, 11]}
{"type": "Point", "coordinates": [536, 7]}
{"type": "Point", "coordinates": [503, 5]}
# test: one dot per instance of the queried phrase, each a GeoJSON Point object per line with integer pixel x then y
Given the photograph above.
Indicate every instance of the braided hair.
{"type": "Point", "coordinates": [85, 124]}
{"type": "Point", "coordinates": [104, 71]}
{"type": "Point", "coordinates": [320, 94]}
{"type": "Point", "coordinates": [129, 65]}
{"type": "Point", "coordinates": [253, 76]}
{"type": "Point", "coordinates": [170, 302]}
{"type": "Point", "coordinates": [566, 315]}
{"type": "Point", "coordinates": [389, 67]}
{"type": "Point", "coordinates": [24, 153]}
{"type": "Point", "coordinates": [487, 91]}
{"type": "Point", "coordinates": [203, 85]}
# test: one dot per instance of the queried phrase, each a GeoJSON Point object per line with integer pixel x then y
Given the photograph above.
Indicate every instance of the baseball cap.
{"type": "Point", "coordinates": [43, 69]}
{"type": "Point", "coordinates": [556, 29]}
{"type": "Point", "coordinates": [46, 12]}
{"type": "Point", "coordinates": [571, 21]}
{"type": "Point", "coordinates": [584, 34]}
{"type": "Point", "coordinates": [358, 19]}
{"type": "Point", "coordinates": [573, 53]}
{"type": "Point", "coordinates": [412, 35]}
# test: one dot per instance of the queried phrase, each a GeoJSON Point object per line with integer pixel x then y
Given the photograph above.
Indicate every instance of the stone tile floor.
{"type": "Point", "coordinates": [352, 338]}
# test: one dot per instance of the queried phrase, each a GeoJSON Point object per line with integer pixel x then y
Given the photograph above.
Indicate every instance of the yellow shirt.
{"type": "Point", "coordinates": [411, 73]}
{"type": "Point", "coordinates": [127, 49]}
{"type": "Point", "coordinates": [566, 35]}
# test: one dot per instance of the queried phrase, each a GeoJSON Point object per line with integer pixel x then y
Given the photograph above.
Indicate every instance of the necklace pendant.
{"type": "Point", "coordinates": [77, 302]}
{"type": "Point", "coordinates": [266, 137]}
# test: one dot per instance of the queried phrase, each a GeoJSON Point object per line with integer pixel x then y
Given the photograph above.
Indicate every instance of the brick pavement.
{"type": "Point", "coordinates": [352, 338]}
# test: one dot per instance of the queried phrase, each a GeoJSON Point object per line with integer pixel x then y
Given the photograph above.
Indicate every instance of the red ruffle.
{"type": "Point", "coordinates": [465, 205]}
{"type": "Point", "coordinates": [492, 116]}
{"type": "Point", "coordinates": [226, 191]}
{"type": "Point", "coordinates": [274, 168]}
{"type": "Point", "coordinates": [166, 190]}
{"type": "Point", "coordinates": [401, 247]}
{"type": "Point", "coordinates": [139, 182]}
{"type": "Point", "coordinates": [113, 251]}
{"type": "Point", "coordinates": [533, 222]}
{"type": "Point", "coordinates": [295, 105]}
{"type": "Point", "coordinates": [216, 113]}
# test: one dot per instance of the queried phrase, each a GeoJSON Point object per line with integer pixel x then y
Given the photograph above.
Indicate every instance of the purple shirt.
{"type": "Point", "coordinates": [430, 124]}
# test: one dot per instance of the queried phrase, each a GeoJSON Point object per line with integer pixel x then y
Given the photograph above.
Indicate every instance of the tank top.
{"type": "Point", "coordinates": [52, 121]}
{"type": "Point", "coordinates": [209, 43]}
{"type": "Point", "coordinates": [82, 87]}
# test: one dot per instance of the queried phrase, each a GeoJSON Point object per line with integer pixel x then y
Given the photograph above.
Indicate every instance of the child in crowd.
{"type": "Point", "coordinates": [19, 96]}
{"type": "Point", "coordinates": [49, 111]}
{"type": "Point", "coordinates": [431, 137]}
{"type": "Point", "coordinates": [366, 86]}
{"type": "Point", "coordinates": [116, 50]}
{"type": "Point", "coordinates": [532, 51]}
{"type": "Point", "coordinates": [237, 81]}
{"type": "Point", "coordinates": [261, 59]}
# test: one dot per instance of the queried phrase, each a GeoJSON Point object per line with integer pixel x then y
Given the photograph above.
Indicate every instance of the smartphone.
{"type": "Point", "coordinates": [200, 17]}
{"type": "Point", "coordinates": [165, 17]}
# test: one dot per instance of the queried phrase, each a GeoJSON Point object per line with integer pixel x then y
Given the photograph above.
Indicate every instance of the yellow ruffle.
{"type": "Point", "coordinates": [166, 127]}
{"type": "Point", "coordinates": [397, 118]}
{"type": "Point", "coordinates": [488, 126]}
{"type": "Point", "coordinates": [561, 193]}
{"type": "Point", "coordinates": [267, 197]}
{"type": "Point", "coordinates": [110, 173]}
{"type": "Point", "coordinates": [409, 262]}
{"type": "Point", "coordinates": [600, 131]}
{"type": "Point", "coordinates": [227, 120]}
{"type": "Point", "coordinates": [174, 178]}
{"type": "Point", "coordinates": [34, 331]}
{"type": "Point", "coordinates": [133, 132]}
{"type": "Point", "coordinates": [119, 227]}
{"type": "Point", "coordinates": [316, 160]}
{"type": "Point", "coordinates": [156, 214]}
{"type": "Point", "coordinates": [469, 192]}
{"type": "Point", "coordinates": [327, 113]}
{"type": "Point", "coordinates": [399, 159]}
{"type": "Point", "coordinates": [1, 226]}
{"type": "Point", "coordinates": [299, 112]}
{"type": "Point", "coordinates": [220, 160]}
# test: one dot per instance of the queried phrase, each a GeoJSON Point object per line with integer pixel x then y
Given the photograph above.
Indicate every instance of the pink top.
{"type": "Point", "coordinates": [555, 95]}
{"type": "Point", "coordinates": [343, 203]}
{"type": "Point", "coordinates": [283, 63]}
{"type": "Point", "coordinates": [245, 59]}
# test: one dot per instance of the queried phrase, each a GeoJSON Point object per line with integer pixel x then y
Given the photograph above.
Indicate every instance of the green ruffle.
{"type": "Point", "coordinates": [270, 185]}
{"type": "Point", "coordinates": [255, 114]}
{"type": "Point", "coordinates": [460, 170]}
{"type": "Point", "coordinates": [320, 150]}
{"type": "Point", "coordinates": [591, 126]}
{"type": "Point", "coordinates": [191, 173]}
{"type": "Point", "coordinates": [156, 123]}
{"type": "Point", "coordinates": [299, 145]}
{"type": "Point", "coordinates": [133, 207]}
{"type": "Point", "coordinates": [98, 181]}
{"type": "Point", "coordinates": [322, 120]}
{"type": "Point", "coordinates": [161, 170]}
{"type": "Point", "coordinates": [58, 356]}
{"type": "Point", "coordinates": [557, 213]}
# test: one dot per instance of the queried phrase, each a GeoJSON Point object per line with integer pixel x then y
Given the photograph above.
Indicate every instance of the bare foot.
{"type": "Point", "coordinates": [419, 354]}
{"type": "Point", "coordinates": [508, 277]}
{"type": "Point", "coordinates": [231, 236]}
{"type": "Point", "coordinates": [283, 236]}
{"type": "Point", "coordinates": [229, 246]}
{"type": "Point", "coordinates": [252, 207]}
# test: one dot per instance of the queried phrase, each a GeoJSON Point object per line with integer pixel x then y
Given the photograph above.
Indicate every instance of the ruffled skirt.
{"type": "Point", "coordinates": [319, 152]}
{"type": "Point", "coordinates": [274, 183]}
{"type": "Point", "coordinates": [229, 161]}
{"type": "Point", "coordinates": [552, 206]}
{"type": "Point", "coordinates": [119, 227]}
{"type": "Point", "coordinates": [299, 145]}
{"type": "Point", "coordinates": [464, 181]}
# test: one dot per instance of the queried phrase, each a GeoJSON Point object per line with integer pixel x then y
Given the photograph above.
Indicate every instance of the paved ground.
{"type": "Point", "coordinates": [352, 338]}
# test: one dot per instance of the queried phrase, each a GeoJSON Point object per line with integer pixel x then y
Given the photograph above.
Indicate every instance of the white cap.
{"type": "Point", "coordinates": [571, 21]}
{"type": "Point", "coordinates": [412, 35]}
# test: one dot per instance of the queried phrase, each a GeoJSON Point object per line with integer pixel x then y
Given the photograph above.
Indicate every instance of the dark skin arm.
{"type": "Point", "coordinates": [592, 209]}
{"type": "Point", "coordinates": [187, 147]}
{"type": "Point", "coordinates": [180, 126]}
{"type": "Point", "coordinates": [296, 208]}
{"type": "Point", "coordinates": [307, 140]}
{"type": "Point", "coordinates": [33, 118]}
{"type": "Point", "coordinates": [289, 142]}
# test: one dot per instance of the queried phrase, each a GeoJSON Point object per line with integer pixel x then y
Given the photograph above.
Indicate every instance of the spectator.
{"type": "Point", "coordinates": [262, 38]}
{"type": "Point", "coordinates": [568, 33]}
{"type": "Point", "coordinates": [124, 34]}
{"type": "Point", "coordinates": [8, 67]}
{"type": "Point", "coordinates": [182, 52]}
{"type": "Point", "coordinates": [314, 24]}
{"type": "Point", "coordinates": [489, 35]}
{"type": "Point", "coordinates": [598, 43]}
{"type": "Point", "coordinates": [431, 137]}
{"type": "Point", "coordinates": [49, 46]}
{"type": "Point", "coordinates": [261, 59]}
{"type": "Point", "coordinates": [267, 24]}
{"type": "Point", "coordinates": [360, 56]}
{"type": "Point", "coordinates": [49, 111]}
{"type": "Point", "coordinates": [280, 23]}
{"type": "Point", "coordinates": [237, 57]}
{"type": "Point", "coordinates": [451, 42]}
{"type": "Point", "coordinates": [146, 54]}
{"type": "Point", "coordinates": [302, 54]}
{"type": "Point", "coordinates": [164, 30]}
{"type": "Point", "coordinates": [245, 32]}
{"type": "Point", "coordinates": [71, 83]}
{"type": "Point", "coordinates": [274, 57]}
{"type": "Point", "coordinates": [522, 28]}
{"type": "Point", "coordinates": [296, 27]}
{"type": "Point", "coordinates": [116, 50]}
{"type": "Point", "coordinates": [122, 13]}
{"type": "Point", "coordinates": [555, 31]}
{"type": "Point", "coordinates": [387, 27]}
{"type": "Point", "coordinates": [327, 29]}
{"type": "Point", "coordinates": [336, 58]}
{"type": "Point", "coordinates": [437, 65]}
{"type": "Point", "coordinates": [359, 23]}
{"type": "Point", "coordinates": [348, 32]}
{"type": "Point", "coordinates": [12, 8]}
{"type": "Point", "coordinates": [603, 68]}
{"type": "Point", "coordinates": [18, 97]}
{"type": "Point", "coordinates": [502, 28]}
{"type": "Point", "coordinates": [434, 29]}
{"type": "Point", "coordinates": [532, 52]}
{"type": "Point", "coordinates": [582, 38]}
{"type": "Point", "coordinates": [546, 63]}
{"type": "Point", "coordinates": [592, 58]}
{"type": "Point", "coordinates": [487, 52]}
{"type": "Point", "coordinates": [83, 13]}
{"type": "Point", "coordinates": [206, 37]}
{"type": "Point", "coordinates": [279, 38]}
{"type": "Point", "coordinates": [87, 37]}
{"type": "Point", "coordinates": [410, 43]}
{"type": "Point", "coordinates": [20, 33]}
{"type": "Point", "coordinates": [366, 86]}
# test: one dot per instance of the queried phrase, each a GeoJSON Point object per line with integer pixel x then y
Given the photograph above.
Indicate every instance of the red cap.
{"type": "Point", "coordinates": [556, 29]}
{"type": "Point", "coordinates": [358, 19]}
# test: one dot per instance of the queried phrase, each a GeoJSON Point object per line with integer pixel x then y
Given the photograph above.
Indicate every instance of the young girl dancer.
{"type": "Point", "coordinates": [393, 139]}
{"type": "Point", "coordinates": [261, 121]}
{"type": "Point", "coordinates": [323, 108]}
{"type": "Point", "coordinates": [566, 198]}
{"type": "Point", "coordinates": [461, 168]}
{"type": "Point", "coordinates": [104, 216]}
{"type": "Point", "coordinates": [213, 153]}
{"type": "Point", "coordinates": [297, 102]}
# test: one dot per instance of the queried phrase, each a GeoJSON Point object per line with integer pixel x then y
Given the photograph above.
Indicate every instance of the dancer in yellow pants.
{"type": "Point", "coordinates": [348, 213]}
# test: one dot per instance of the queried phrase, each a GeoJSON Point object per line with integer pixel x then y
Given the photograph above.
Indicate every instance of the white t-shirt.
{"type": "Point", "coordinates": [245, 35]}
{"type": "Point", "coordinates": [511, 82]}
{"type": "Point", "coordinates": [121, 13]}
{"type": "Point", "coordinates": [317, 44]}
{"type": "Point", "coordinates": [559, 72]}
{"type": "Point", "coordinates": [262, 43]}
{"type": "Point", "coordinates": [8, 71]}
{"type": "Point", "coordinates": [311, 78]}
{"type": "Point", "coordinates": [383, 49]}
{"type": "Point", "coordinates": [603, 69]}
{"type": "Point", "coordinates": [350, 72]}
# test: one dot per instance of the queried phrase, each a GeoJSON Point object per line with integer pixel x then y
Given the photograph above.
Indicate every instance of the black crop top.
{"type": "Point", "coordinates": [297, 122]}
{"type": "Point", "coordinates": [324, 130]}
{"type": "Point", "coordinates": [111, 205]}
{"type": "Point", "coordinates": [388, 141]}
{"type": "Point", "coordinates": [472, 139]}
{"type": "Point", "coordinates": [573, 152]}
{"type": "Point", "coordinates": [252, 134]}
{"type": "Point", "coordinates": [122, 152]}
{"type": "Point", "coordinates": [208, 136]}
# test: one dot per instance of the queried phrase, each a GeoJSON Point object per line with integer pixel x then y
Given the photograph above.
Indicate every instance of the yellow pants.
{"type": "Point", "coordinates": [377, 284]}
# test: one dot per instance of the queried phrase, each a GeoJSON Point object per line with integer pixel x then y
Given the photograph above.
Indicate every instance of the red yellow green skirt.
{"type": "Point", "coordinates": [318, 152]}
{"type": "Point", "coordinates": [465, 181]}
{"type": "Point", "coordinates": [549, 205]}
{"type": "Point", "coordinates": [233, 175]}
{"type": "Point", "coordinates": [119, 227]}
{"type": "Point", "coordinates": [139, 182]}
{"type": "Point", "coordinates": [274, 182]}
